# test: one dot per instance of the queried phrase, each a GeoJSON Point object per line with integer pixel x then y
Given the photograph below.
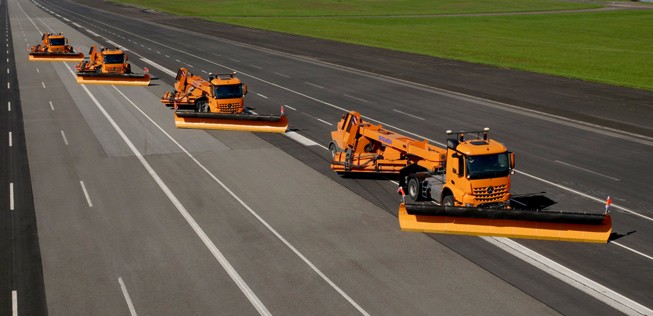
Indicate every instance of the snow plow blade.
{"type": "Point", "coordinates": [45, 56]}
{"type": "Point", "coordinates": [114, 79]}
{"type": "Point", "coordinates": [545, 225]}
{"type": "Point", "coordinates": [231, 122]}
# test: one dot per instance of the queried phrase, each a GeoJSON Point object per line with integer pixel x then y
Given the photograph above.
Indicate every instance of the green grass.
{"type": "Point", "coordinates": [614, 47]}
{"type": "Point", "coordinates": [283, 8]}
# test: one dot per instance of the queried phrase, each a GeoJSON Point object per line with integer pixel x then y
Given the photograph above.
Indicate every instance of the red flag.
{"type": "Point", "coordinates": [282, 112]}
{"type": "Point", "coordinates": [146, 70]}
{"type": "Point", "coordinates": [608, 201]}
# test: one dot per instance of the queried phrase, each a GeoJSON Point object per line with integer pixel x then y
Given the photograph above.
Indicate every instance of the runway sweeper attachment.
{"type": "Point", "coordinates": [217, 104]}
{"type": "Point", "coordinates": [109, 66]}
{"type": "Point", "coordinates": [461, 189]}
{"type": "Point", "coordinates": [54, 47]}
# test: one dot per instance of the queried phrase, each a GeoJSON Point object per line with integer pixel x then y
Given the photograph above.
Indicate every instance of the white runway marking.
{"type": "Point", "coordinates": [88, 198]}
{"type": "Point", "coordinates": [65, 140]}
{"type": "Point", "coordinates": [128, 299]}
{"type": "Point", "coordinates": [587, 170]}
{"type": "Point", "coordinates": [51, 105]}
{"type": "Point", "coordinates": [323, 121]}
{"type": "Point", "coordinates": [408, 114]}
{"type": "Point", "coordinates": [11, 196]}
{"type": "Point", "coordinates": [14, 303]}
{"type": "Point", "coordinates": [300, 138]}
{"type": "Point", "coordinates": [10, 140]}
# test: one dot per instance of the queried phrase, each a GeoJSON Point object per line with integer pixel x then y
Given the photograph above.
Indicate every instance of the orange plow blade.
{"type": "Point", "coordinates": [546, 225]}
{"type": "Point", "coordinates": [114, 79]}
{"type": "Point", "coordinates": [36, 56]}
{"type": "Point", "coordinates": [231, 122]}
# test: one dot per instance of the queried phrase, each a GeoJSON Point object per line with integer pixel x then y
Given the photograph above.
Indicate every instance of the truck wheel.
{"type": "Point", "coordinates": [203, 107]}
{"type": "Point", "coordinates": [333, 149]}
{"type": "Point", "coordinates": [447, 200]}
{"type": "Point", "coordinates": [414, 189]}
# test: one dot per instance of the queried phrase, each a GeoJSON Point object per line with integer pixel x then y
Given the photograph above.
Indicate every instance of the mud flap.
{"type": "Point", "coordinates": [545, 225]}
{"type": "Point", "coordinates": [231, 122]}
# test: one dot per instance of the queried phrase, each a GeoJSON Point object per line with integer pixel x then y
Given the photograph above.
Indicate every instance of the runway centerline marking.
{"type": "Point", "coordinates": [128, 299]}
{"type": "Point", "coordinates": [14, 303]}
{"type": "Point", "coordinates": [355, 98]}
{"type": "Point", "coordinates": [8, 106]}
{"type": "Point", "coordinates": [408, 114]}
{"type": "Point", "coordinates": [65, 140]}
{"type": "Point", "coordinates": [249, 209]}
{"type": "Point", "coordinates": [51, 105]}
{"type": "Point", "coordinates": [88, 197]}
{"type": "Point", "coordinates": [10, 140]}
{"type": "Point", "coordinates": [262, 96]}
{"type": "Point", "coordinates": [325, 122]}
{"type": "Point", "coordinates": [11, 196]}
{"type": "Point", "coordinates": [282, 75]}
{"type": "Point", "coordinates": [631, 249]}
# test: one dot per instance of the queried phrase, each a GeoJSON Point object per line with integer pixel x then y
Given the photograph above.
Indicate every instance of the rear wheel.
{"type": "Point", "coordinates": [447, 200]}
{"type": "Point", "coordinates": [333, 149]}
{"type": "Point", "coordinates": [414, 189]}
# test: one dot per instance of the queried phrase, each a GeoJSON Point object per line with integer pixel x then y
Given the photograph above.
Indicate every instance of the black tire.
{"type": "Point", "coordinates": [203, 107]}
{"type": "Point", "coordinates": [333, 149]}
{"type": "Point", "coordinates": [448, 200]}
{"type": "Point", "coordinates": [414, 189]}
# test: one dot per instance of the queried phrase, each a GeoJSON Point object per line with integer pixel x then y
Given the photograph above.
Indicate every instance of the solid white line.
{"type": "Point", "coordinates": [631, 249]}
{"type": "Point", "coordinates": [51, 105]}
{"type": "Point", "coordinates": [411, 115]}
{"type": "Point", "coordinates": [88, 198]}
{"type": "Point", "coordinates": [262, 96]}
{"type": "Point", "coordinates": [323, 121]}
{"type": "Point", "coordinates": [14, 303]}
{"type": "Point", "coordinates": [587, 170]}
{"type": "Point", "coordinates": [157, 66]}
{"type": "Point", "coordinates": [254, 300]}
{"type": "Point", "coordinates": [594, 289]}
{"type": "Point", "coordinates": [10, 140]}
{"type": "Point", "coordinates": [65, 140]}
{"type": "Point", "coordinates": [250, 210]}
{"type": "Point", "coordinates": [355, 98]}
{"type": "Point", "coordinates": [300, 138]}
{"type": "Point", "coordinates": [128, 299]}
{"type": "Point", "coordinates": [11, 196]}
{"type": "Point", "coordinates": [290, 107]}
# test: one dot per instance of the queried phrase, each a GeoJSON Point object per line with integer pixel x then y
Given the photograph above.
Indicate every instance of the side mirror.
{"type": "Point", "coordinates": [512, 160]}
{"type": "Point", "coordinates": [126, 57]}
{"type": "Point", "coordinates": [244, 89]}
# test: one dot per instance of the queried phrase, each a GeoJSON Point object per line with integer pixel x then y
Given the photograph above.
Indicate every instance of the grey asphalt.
{"type": "Point", "coordinates": [344, 226]}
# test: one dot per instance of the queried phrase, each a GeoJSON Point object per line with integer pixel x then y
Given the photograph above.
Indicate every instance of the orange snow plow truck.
{"type": "Point", "coordinates": [109, 66]}
{"type": "Point", "coordinates": [463, 189]}
{"type": "Point", "coordinates": [54, 47]}
{"type": "Point", "coordinates": [218, 103]}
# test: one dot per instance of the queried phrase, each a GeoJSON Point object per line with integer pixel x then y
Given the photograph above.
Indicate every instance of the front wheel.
{"type": "Point", "coordinates": [414, 189]}
{"type": "Point", "coordinates": [447, 200]}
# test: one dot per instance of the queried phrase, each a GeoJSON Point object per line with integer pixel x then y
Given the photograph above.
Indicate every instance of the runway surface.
{"type": "Point", "coordinates": [135, 216]}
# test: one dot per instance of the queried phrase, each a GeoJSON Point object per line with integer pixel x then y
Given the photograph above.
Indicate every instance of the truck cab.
{"type": "Point", "coordinates": [477, 173]}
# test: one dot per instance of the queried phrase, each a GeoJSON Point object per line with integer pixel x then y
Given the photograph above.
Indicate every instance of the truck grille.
{"type": "Point", "coordinates": [228, 108]}
{"type": "Point", "coordinates": [487, 195]}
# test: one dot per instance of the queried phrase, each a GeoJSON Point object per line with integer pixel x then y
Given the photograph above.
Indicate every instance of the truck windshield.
{"type": "Point", "coordinates": [231, 91]}
{"type": "Point", "coordinates": [488, 166]}
{"type": "Point", "coordinates": [114, 59]}
{"type": "Point", "coordinates": [57, 41]}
